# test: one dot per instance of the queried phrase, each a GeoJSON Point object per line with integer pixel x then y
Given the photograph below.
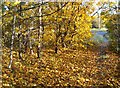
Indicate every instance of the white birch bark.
{"type": "Point", "coordinates": [40, 32]}
{"type": "Point", "coordinates": [12, 42]}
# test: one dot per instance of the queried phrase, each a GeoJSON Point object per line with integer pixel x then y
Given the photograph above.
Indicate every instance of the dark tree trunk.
{"type": "Point", "coordinates": [58, 34]}
{"type": "Point", "coordinates": [26, 43]}
{"type": "Point", "coordinates": [63, 38]}
{"type": "Point", "coordinates": [56, 47]}
{"type": "Point", "coordinates": [20, 35]}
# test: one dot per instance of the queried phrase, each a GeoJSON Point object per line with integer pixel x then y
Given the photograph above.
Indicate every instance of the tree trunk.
{"type": "Point", "coordinates": [56, 47]}
{"type": "Point", "coordinates": [40, 33]}
{"type": "Point", "coordinates": [30, 42]}
{"type": "Point", "coordinates": [12, 42]}
{"type": "Point", "coordinates": [26, 40]}
{"type": "Point", "coordinates": [58, 34]}
{"type": "Point", "coordinates": [20, 35]}
{"type": "Point", "coordinates": [63, 38]}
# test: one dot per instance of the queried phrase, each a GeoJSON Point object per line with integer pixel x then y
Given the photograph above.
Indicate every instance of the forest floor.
{"type": "Point", "coordinates": [81, 68]}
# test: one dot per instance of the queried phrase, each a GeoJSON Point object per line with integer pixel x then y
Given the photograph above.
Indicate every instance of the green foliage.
{"type": "Point", "coordinates": [114, 32]}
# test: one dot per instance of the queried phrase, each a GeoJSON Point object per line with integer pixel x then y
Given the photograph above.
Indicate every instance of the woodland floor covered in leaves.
{"type": "Point", "coordinates": [80, 68]}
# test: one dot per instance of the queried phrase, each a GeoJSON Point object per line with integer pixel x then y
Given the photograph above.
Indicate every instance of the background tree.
{"type": "Point", "coordinates": [113, 29]}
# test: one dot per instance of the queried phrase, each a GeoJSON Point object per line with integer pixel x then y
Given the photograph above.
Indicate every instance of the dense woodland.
{"type": "Point", "coordinates": [49, 44]}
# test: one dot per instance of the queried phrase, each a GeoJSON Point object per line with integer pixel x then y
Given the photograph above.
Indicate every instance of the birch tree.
{"type": "Point", "coordinates": [12, 42]}
{"type": "Point", "coordinates": [40, 32]}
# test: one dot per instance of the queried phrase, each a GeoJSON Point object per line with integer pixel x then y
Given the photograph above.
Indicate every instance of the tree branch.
{"type": "Point", "coordinates": [37, 5]}
{"type": "Point", "coordinates": [49, 13]}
